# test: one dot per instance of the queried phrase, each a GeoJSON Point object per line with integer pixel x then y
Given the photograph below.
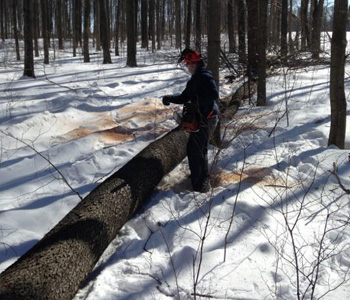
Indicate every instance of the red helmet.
{"type": "Point", "coordinates": [190, 56]}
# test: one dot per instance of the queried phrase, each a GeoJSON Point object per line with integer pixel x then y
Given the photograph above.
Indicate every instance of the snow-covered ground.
{"type": "Point", "coordinates": [276, 221]}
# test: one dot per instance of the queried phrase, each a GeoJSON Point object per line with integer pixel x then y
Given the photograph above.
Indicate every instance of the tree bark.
{"type": "Point", "coordinates": [337, 94]}
{"type": "Point", "coordinates": [45, 30]}
{"type": "Point", "coordinates": [104, 31]}
{"type": "Point", "coordinates": [36, 25]}
{"type": "Point", "coordinates": [198, 26]}
{"type": "Point", "coordinates": [152, 24]}
{"type": "Point", "coordinates": [284, 30]}
{"type": "Point", "coordinates": [2, 20]}
{"type": "Point", "coordinates": [305, 41]}
{"type": "Point", "coordinates": [188, 24]}
{"type": "Point", "coordinates": [117, 28]}
{"type": "Point", "coordinates": [28, 39]}
{"type": "Point", "coordinates": [241, 31]}
{"type": "Point", "coordinates": [214, 24]}
{"type": "Point", "coordinates": [58, 264]}
{"type": "Point", "coordinates": [97, 29]}
{"type": "Point", "coordinates": [252, 7]}
{"type": "Point", "coordinates": [262, 42]}
{"type": "Point", "coordinates": [144, 34]}
{"type": "Point", "coordinates": [316, 28]}
{"type": "Point", "coordinates": [59, 24]}
{"type": "Point", "coordinates": [130, 24]}
{"type": "Point", "coordinates": [159, 29]}
{"type": "Point", "coordinates": [87, 10]}
{"type": "Point", "coordinates": [15, 31]}
{"type": "Point", "coordinates": [178, 24]}
{"type": "Point", "coordinates": [230, 27]}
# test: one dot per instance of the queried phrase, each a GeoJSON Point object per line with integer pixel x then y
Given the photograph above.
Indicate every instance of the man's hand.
{"type": "Point", "coordinates": [166, 100]}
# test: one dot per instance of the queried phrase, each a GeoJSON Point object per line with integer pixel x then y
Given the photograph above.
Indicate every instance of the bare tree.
{"type": "Point", "coordinates": [152, 24]}
{"type": "Point", "coordinates": [117, 27]}
{"type": "Point", "coordinates": [144, 35]}
{"type": "Point", "coordinates": [316, 28]}
{"type": "Point", "coordinates": [104, 32]}
{"type": "Point", "coordinates": [178, 23]}
{"type": "Point", "coordinates": [241, 11]}
{"type": "Point", "coordinates": [305, 41]}
{"type": "Point", "coordinates": [28, 39]}
{"type": "Point", "coordinates": [36, 26]}
{"type": "Point", "coordinates": [214, 23]}
{"type": "Point", "coordinates": [87, 10]}
{"type": "Point", "coordinates": [45, 29]}
{"type": "Point", "coordinates": [284, 30]}
{"type": "Point", "coordinates": [198, 26]}
{"type": "Point", "coordinates": [2, 19]}
{"type": "Point", "coordinates": [15, 31]}
{"type": "Point", "coordinates": [230, 26]}
{"type": "Point", "coordinates": [262, 42]}
{"type": "Point", "coordinates": [252, 7]}
{"type": "Point", "coordinates": [59, 24]}
{"type": "Point", "coordinates": [188, 24]}
{"type": "Point", "coordinates": [130, 24]}
{"type": "Point", "coordinates": [337, 94]}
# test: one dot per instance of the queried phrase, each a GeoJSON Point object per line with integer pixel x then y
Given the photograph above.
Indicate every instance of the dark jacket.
{"type": "Point", "coordinates": [200, 90]}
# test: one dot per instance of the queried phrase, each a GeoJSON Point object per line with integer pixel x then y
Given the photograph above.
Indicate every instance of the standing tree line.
{"type": "Point", "coordinates": [252, 28]}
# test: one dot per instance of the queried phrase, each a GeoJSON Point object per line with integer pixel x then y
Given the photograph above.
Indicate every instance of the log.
{"type": "Point", "coordinates": [61, 261]}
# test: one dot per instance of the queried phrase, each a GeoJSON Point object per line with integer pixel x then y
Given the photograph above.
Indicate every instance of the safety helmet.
{"type": "Point", "coordinates": [190, 56]}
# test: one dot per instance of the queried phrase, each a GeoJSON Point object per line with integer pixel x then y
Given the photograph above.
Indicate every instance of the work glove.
{"type": "Point", "coordinates": [166, 100]}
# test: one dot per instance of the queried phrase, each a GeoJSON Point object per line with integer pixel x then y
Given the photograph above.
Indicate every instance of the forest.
{"type": "Point", "coordinates": [96, 185]}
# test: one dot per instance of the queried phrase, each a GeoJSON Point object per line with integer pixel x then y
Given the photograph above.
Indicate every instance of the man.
{"type": "Point", "coordinates": [201, 92]}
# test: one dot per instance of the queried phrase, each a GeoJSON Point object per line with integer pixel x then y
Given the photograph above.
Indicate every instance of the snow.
{"type": "Point", "coordinates": [272, 185]}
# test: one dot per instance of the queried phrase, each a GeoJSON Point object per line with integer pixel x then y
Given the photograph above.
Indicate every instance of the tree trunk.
{"type": "Point", "coordinates": [198, 26]}
{"type": "Point", "coordinates": [262, 42]}
{"type": "Point", "coordinates": [58, 264]}
{"type": "Point", "coordinates": [290, 29]}
{"type": "Point", "coordinates": [2, 20]}
{"type": "Point", "coordinates": [130, 24]}
{"type": "Point", "coordinates": [188, 24]}
{"type": "Point", "coordinates": [144, 34]}
{"type": "Point", "coordinates": [36, 25]}
{"type": "Point", "coordinates": [117, 28]}
{"type": "Point", "coordinates": [241, 31]}
{"type": "Point", "coordinates": [59, 24]}
{"type": "Point", "coordinates": [15, 32]}
{"type": "Point", "coordinates": [152, 24]}
{"type": "Point", "coordinates": [28, 39]}
{"type": "Point", "coordinates": [214, 24]}
{"type": "Point", "coordinates": [284, 30]}
{"type": "Point", "coordinates": [75, 26]}
{"type": "Point", "coordinates": [97, 27]}
{"type": "Point", "coordinates": [159, 42]}
{"type": "Point", "coordinates": [104, 31]}
{"type": "Point", "coordinates": [304, 25]}
{"type": "Point", "coordinates": [87, 11]}
{"type": "Point", "coordinates": [252, 7]}
{"type": "Point", "coordinates": [230, 27]}
{"type": "Point", "coordinates": [45, 30]}
{"type": "Point", "coordinates": [337, 94]}
{"type": "Point", "coordinates": [178, 24]}
{"type": "Point", "coordinates": [316, 28]}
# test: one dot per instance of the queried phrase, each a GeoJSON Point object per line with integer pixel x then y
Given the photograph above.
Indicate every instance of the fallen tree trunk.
{"type": "Point", "coordinates": [60, 262]}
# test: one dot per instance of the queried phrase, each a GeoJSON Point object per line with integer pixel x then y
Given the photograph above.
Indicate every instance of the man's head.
{"type": "Point", "coordinates": [192, 59]}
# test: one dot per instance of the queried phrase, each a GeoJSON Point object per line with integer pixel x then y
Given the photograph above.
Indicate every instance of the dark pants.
{"type": "Point", "coordinates": [197, 153]}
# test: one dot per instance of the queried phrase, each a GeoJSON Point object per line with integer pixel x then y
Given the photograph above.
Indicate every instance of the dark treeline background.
{"type": "Point", "coordinates": [179, 23]}
{"type": "Point", "coordinates": [236, 33]}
